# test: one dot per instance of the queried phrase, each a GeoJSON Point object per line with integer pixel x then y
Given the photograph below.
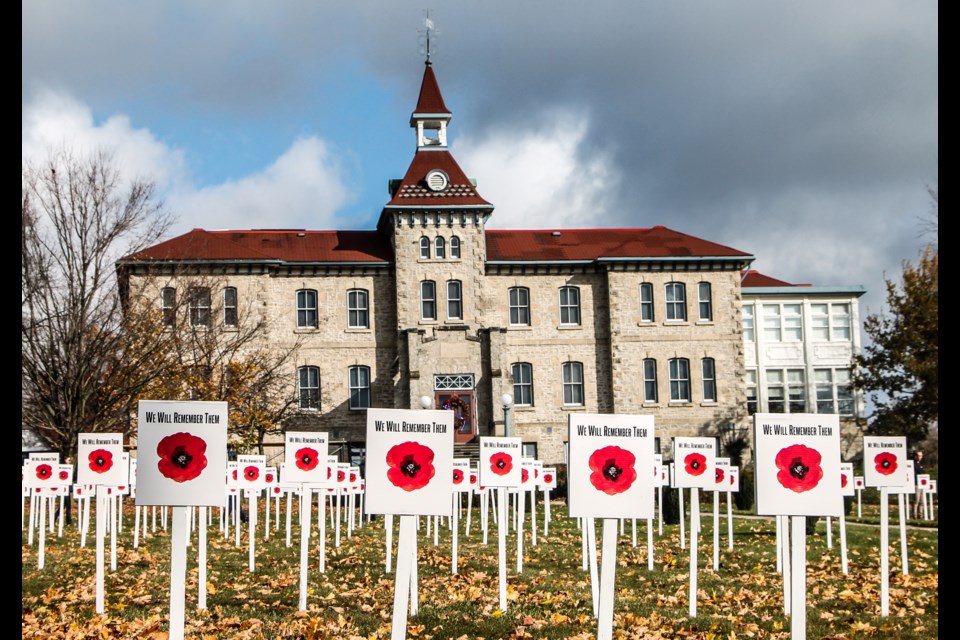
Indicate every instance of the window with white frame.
{"type": "Point", "coordinates": [775, 391]}
{"type": "Point", "coordinates": [796, 391]}
{"type": "Point", "coordinates": [572, 383]}
{"type": "Point", "coordinates": [569, 305]}
{"type": "Point", "coordinates": [748, 323]}
{"type": "Point", "coordinates": [439, 248]}
{"type": "Point", "coordinates": [308, 388]}
{"type": "Point", "coordinates": [519, 304]}
{"type": "Point", "coordinates": [751, 391]}
{"type": "Point", "coordinates": [523, 384]}
{"type": "Point", "coordinates": [424, 248]}
{"type": "Point", "coordinates": [454, 300]}
{"type": "Point", "coordinates": [428, 300]}
{"type": "Point", "coordinates": [708, 370]}
{"type": "Point", "coordinates": [675, 296]}
{"type": "Point", "coordinates": [307, 309]}
{"type": "Point", "coordinates": [646, 302]}
{"type": "Point", "coordinates": [834, 391]}
{"type": "Point", "coordinates": [198, 302]}
{"type": "Point", "coordinates": [705, 301]}
{"type": "Point", "coordinates": [792, 322]}
{"type": "Point", "coordinates": [229, 306]}
{"type": "Point", "coordinates": [650, 392]}
{"type": "Point", "coordinates": [771, 323]}
{"type": "Point", "coordinates": [168, 306]}
{"type": "Point", "coordinates": [528, 450]}
{"type": "Point", "coordinates": [455, 247]}
{"type": "Point", "coordinates": [830, 321]}
{"type": "Point", "coordinates": [359, 383]}
{"type": "Point", "coordinates": [679, 380]}
{"type": "Point", "coordinates": [358, 309]}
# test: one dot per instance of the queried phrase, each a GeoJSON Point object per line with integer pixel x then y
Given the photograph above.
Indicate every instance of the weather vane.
{"type": "Point", "coordinates": [428, 36]}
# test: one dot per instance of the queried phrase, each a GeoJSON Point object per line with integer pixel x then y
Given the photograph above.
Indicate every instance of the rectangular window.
{"type": "Point", "coordinates": [359, 381]}
{"type": "Point", "coordinates": [454, 300]}
{"type": "Point", "coordinates": [834, 391]}
{"type": "Point", "coordinates": [308, 387]}
{"type": "Point", "coordinates": [573, 383]}
{"type": "Point", "coordinates": [775, 392]}
{"type": "Point", "coordinates": [705, 300]}
{"type": "Point", "coordinates": [569, 305]}
{"type": "Point", "coordinates": [428, 300]}
{"type": "Point", "coordinates": [676, 300]}
{"type": "Point", "coordinates": [198, 300]}
{"type": "Point", "coordinates": [168, 306]}
{"type": "Point", "coordinates": [523, 384]}
{"type": "Point", "coordinates": [820, 322]}
{"type": "Point", "coordinates": [679, 380]}
{"type": "Point", "coordinates": [519, 303]}
{"type": "Point", "coordinates": [792, 323]}
{"type": "Point", "coordinates": [455, 247]}
{"type": "Point", "coordinates": [646, 302]}
{"type": "Point", "coordinates": [424, 248]}
{"type": "Point", "coordinates": [751, 392]}
{"type": "Point", "coordinates": [306, 309]}
{"type": "Point", "coordinates": [709, 380]}
{"type": "Point", "coordinates": [358, 311]}
{"type": "Point", "coordinates": [796, 391]}
{"type": "Point", "coordinates": [771, 323]}
{"type": "Point", "coordinates": [839, 321]}
{"type": "Point", "coordinates": [748, 323]}
{"type": "Point", "coordinates": [230, 306]}
{"type": "Point", "coordinates": [650, 380]}
{"type": "Point", "coordinates": [440, 248]}
{"type": "Point", "coordinates": [528, 450]}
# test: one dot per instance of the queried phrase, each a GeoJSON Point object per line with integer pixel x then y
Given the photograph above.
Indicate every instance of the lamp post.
{"type": "Point", "coordinates": [507, 401]}
{"type": "Point", "coordinates": [426, 402]}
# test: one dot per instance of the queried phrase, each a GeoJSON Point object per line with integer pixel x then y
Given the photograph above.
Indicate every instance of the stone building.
{"type": "Point", "coordinates": [432, 303]}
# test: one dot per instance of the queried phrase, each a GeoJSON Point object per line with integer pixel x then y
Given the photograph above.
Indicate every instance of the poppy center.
{"type": "Point", "coordinates": [501, 464]}
{"type": "Point", "coordinates": [101, 462]}
{"type": "Point", "coordinates": [612, 471]}
{"type": "Point", "coordinates": [885, 464]}
{"type": "Point", "coordinates": [695, 464]}
{"type": "Point", "coordinates": [409, 467]}
{"type": "Point", "coordinates": [798, 470]}
{"type": "Point", "coordinates": [306, 459]}
{"type": "Point", "coordinates": [181, 458]}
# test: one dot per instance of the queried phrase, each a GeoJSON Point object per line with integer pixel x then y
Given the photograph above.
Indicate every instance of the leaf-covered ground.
{"type": "Point", "coordinates": [551, 598]}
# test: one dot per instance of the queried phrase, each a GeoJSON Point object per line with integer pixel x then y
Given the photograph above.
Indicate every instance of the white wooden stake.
{"type": "Point", "coordinates": [716, 530]}
{"type": "Point", "coordinates": [306, 504]}
{"type": "Point", "coordinates": [729, 521]}
{"type": "Point", "coordinates": [202, 561]}
{"type": "Point", "coordinates": [798, 569]}
{"type": "Point", "coordinates": [843, 543]}
{"type": "Point", "coordinates": [101, 532]}
{"type": "Point", "coordinates": [694, 533]}
{"type": "Point", "coordinates": [455, 525]}
{"type": "Point", "coordinates": [683, 516]}
{"type": "Point", "coordinates": [43, 534]}
{"type": "Point", "coordinates": [178, 571]}
{"type": "Point", "coordinates": [520, 507]}
{"type": "Point", "coordinates": [503, 523]}
{"type": "Point", "coordinates": [650, 544]}
{"type": "Point", "coordinates": [388, 525]}
{"type": "Point", "coordinates": [884, 552]}
{"type": "Point", "coordinates": [904, 559]}
{"type": "Point", "coordinates": [784, 552]}
{"type": "Point", "coordinates": [251, 530]}
{"type": "Point", "coordinates": [607, 579]}
{"type": "Point", "coordinates": [590, 526]}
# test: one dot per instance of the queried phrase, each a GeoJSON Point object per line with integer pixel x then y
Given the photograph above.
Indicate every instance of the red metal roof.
{"type": "Point", "coordinates": [754, 278]}
{"type": "Point", "coordinates": [287, 245]}
{"type": "Point", "coordinates": [413, 191]}
{"type": "Point", "coordinates": [591, 244]}
{"type": "Point", "coordinates": [430, 100]}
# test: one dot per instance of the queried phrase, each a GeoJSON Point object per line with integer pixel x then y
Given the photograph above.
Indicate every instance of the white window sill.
{"type": "Point", "coordinates": [306, 329]}
{"type": "Point", "coordinates": [358, 330]}
{"type": "Point", "coordinates": [519, 327]}
{"type": "Point", "coordinates": [646, 323]}
{"type": "Point", "coordinates": [573, 407]}
{"type": "Point", "coordinates": [676, 323]}
{"type": "Point", "coordinates": [709, 403]}
{"type": "Point", "coordinates": [569, 327]}
{"type": "Point", "coordinates": [704, 323]}
{"type": "Point", "coordinates": [680, 403]}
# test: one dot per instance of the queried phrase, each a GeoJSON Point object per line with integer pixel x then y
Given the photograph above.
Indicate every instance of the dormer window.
{"type": "Point", "coordinates": [437, 180]}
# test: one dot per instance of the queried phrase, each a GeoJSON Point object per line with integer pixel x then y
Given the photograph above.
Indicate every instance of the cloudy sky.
{"type": "Point", "coordinates": [805, 133]}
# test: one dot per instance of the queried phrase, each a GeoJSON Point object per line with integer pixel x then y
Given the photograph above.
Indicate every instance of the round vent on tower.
{"type": "Point", "coordinates": [437, 180]}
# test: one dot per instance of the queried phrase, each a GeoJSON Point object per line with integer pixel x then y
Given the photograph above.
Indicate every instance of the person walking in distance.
{"type": "Point", "coordinates": [918, 496]}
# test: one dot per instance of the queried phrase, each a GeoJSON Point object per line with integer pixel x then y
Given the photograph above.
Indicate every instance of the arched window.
{"type": "Point", "coordinates": [307, 309]}
{"type": "Point", "coordinates": [519, 304]}
{"type": "Point", "coordinates": [455, 247]}
{"type": "Point", "coordinates": [439, 248]}
{"type": "Point", "coordinates": [523, 384]}
{"type": "Point", "coordinates": [428, 300]}
{"type": "Point", "coordinates": [308, 387]}
{"type": "Point", "coordinates": [650, 393]}
{"type": "Point", "coordinates": [709, 370]}
{"type": "Point", "coordinates": [646, 302]}
{"type": "Point", "coordinates": [679, 380]}
{"type": "Point", "coordinates": [705, 301]}
{"type": "Point", "coordinates": [676, 299]}
{"type": "Point", "coordinates": [424, 248]}
{"type": "Point", "coordinates": [454, 300]}
{"type": "Point", "coordinates": [569, 305]}
{"type": "Point", "coordinates": [358, 311]}
{"type": "Point", "coordinates": [359, 381]}
{"type": "Point", "coordinates": [573, 383]}
{"type": "Point", "coordinates": [229, 306]}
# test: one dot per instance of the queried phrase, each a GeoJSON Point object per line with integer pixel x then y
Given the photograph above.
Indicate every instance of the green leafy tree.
{"type": "Point", "coordinates": [900, 367]}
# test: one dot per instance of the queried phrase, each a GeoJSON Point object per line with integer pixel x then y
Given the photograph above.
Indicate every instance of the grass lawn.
{"type": "Point", "coordinates": [551, 598]}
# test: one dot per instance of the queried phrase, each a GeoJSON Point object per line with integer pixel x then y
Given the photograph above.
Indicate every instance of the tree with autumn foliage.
{"type": "Point", "coordinates": [81, 369]}
{"type": "Point", "coordinates": [900, 367]}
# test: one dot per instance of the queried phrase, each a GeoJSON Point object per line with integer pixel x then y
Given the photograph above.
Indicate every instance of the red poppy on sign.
{"type": "Point", "coordinates": [410, 466]}
{"type": "Point", "coordinates": [886, 463]}
{"type": "Point", "coordinates": [799, 468]}
{"type": "Point", "coordinates": [44, 471]}
{"type": "Point", "coordinates": [101, 460]}
{"type": "Point", "coordinates": [307, 459]}
{"type": "Point", "coordinates": [695, 464]}
{"type": "Point", "coordinates": [251, 473]}
{"type": "Point", "coordinates": [501, 463]}
{"type": "Point", "coordinates": [182, 456]}
{"type": "Point", "coordinates": [457, 476]}
{"type": "Point", "coordinates": [612, 469]}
